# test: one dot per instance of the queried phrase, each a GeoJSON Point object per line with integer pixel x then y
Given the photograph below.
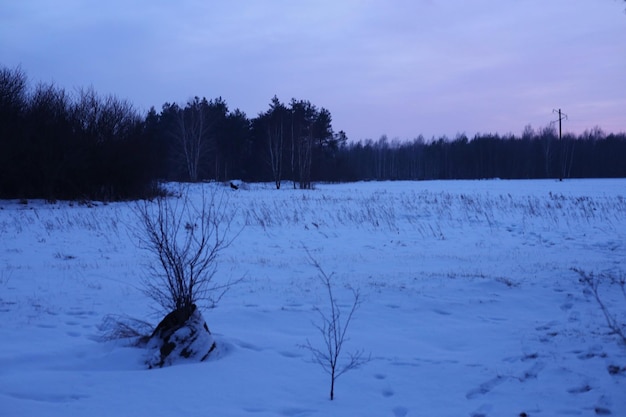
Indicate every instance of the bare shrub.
{"type": "Point", "coordinates": [186, 239]}
{"type": "Point", "coordinates": [593, 283]}
{"type": "Point", "coordinates": [5, 276]}
{"type": "Point", "coordinates": [333, 328]}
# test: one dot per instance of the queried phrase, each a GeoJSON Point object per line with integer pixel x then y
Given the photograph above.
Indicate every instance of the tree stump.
{"type": "Point", "coordinates": [182, 335]}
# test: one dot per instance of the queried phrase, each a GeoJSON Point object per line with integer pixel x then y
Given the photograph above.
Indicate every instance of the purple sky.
{"type": "Point", "coordinates": [395, 67]}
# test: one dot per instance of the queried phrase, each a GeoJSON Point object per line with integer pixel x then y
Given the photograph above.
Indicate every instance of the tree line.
{"type": "Point", "coordinates": [536, 154]}
{"type": "Point", "coordinates": [56, 145]}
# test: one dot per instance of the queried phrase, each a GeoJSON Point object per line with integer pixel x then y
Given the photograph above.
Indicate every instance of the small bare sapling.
{"type": "Point", "coordinates": [333, 327]}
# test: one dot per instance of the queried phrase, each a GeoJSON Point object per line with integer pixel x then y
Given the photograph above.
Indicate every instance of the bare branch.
{"type": "Point", "coordinates": [116, 327]}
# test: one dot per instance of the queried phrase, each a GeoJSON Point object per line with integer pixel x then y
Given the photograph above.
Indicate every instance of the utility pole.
{"type": "Point", "coordinates": [562, 148]}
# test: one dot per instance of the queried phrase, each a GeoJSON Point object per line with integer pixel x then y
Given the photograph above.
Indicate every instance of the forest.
{"type": "Point", "coordinates": [57, 145]}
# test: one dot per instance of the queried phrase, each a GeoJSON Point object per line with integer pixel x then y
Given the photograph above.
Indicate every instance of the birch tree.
{"type": "Point", "coordinates": [274, 123]}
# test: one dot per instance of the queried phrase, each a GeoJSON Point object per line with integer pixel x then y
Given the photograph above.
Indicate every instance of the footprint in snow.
{"type": "Point", "coordinates": [484, 388]}
{"type": "Point", "coordinates": [249, 346]}
{"type": "Point", "coordinates": [547, 326]}
{"type": "Point", "coordinates": [48, 397]}
{"type": "Point", "coordinates": [442, 312]}
{"type": "Point", "coordinates": [574, 317]}
{"type": "Point", "coordinates": [400, 411]}
{"type": "Point", "coordinates": [254, 410]}
{"type": "Point", "coordinates": [533, 371]}
{"type": "Point", "coordinates": [580, 389]}
{"type": "Point", "coordinates": [294, 411]}
{"type": "Point", "coordinates": [289, 354]}
{"type": "Point", "coordinates": [388, 393]}
{"type": "Point", "coordinates": [482, 411]}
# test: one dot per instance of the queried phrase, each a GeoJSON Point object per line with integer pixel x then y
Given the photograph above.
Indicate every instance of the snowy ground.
{"type": "Point", "coordinates": [471, 307]}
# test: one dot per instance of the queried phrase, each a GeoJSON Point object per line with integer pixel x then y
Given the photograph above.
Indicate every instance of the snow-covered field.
{"type": "Point", "coordinates": [470, 304]}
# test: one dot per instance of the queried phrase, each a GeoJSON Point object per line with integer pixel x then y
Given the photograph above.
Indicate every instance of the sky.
{"type": "Point", "coordinates": [401, 68]}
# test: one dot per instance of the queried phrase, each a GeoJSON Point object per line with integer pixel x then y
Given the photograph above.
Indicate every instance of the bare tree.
{"type": "Point", "coordinates": [333, 328]}
{"type": "Point", "coordinates": [274, 124]}
{"type": "Point", "coordinates": [104, 118]}
{"type": "Point", "coordinates": [192, 135]}
{"type": "Point", "coordinates": [13, 90]}
{"type": "Point", "coordinates": [191, 129]}
{"type": "Point", "coordinates": [548, 135]}
{"type": "Point", "coordinates": [186, 239]}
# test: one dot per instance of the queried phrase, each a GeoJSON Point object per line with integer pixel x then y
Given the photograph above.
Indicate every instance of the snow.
{"type": "Point", "coordinates": [470, 304]}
